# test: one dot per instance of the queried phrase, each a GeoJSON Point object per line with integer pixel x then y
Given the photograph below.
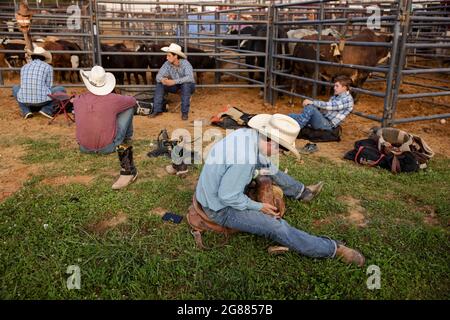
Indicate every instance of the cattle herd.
{"type": "Point", "coordinates": [338, 51]}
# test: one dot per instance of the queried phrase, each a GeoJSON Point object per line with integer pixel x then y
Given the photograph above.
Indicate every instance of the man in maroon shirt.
{"type": "Point", "coordinates": [104, 121]}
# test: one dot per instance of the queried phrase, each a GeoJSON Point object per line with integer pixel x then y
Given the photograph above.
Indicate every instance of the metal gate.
{"type": "Point", "coordinates": [420, 31]}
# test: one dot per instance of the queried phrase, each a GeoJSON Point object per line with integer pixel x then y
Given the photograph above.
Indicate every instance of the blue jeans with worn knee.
{"type": "Point", "coordinates": [278, 230]}
{"type": "Point", "coordinates": [186, 90]}
{"type": "Point", "coordinates": [48, 106]}
{"type": "Point", "coordinates": [313, 117]}
{"type": "Point", "coordinates": [124, 131]}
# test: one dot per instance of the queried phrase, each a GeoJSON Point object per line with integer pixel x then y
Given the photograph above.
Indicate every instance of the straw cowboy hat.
{"type": "Point", "coordinates": [98, 81]}
{"type": "Point", "coordinates": [39, 51]}
{"type": "Point", "coordinates": [174, 48]}
{"type": "Point", "coordinates": [278, 127]}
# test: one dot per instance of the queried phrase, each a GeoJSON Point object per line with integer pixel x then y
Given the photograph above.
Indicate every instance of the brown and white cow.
{"type": "Point", "coordinates": [350, 54]}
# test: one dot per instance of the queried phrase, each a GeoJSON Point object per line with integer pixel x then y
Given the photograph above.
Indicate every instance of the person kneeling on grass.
{"type": "Point", "coordinates": [327, 115]}
{"type": "Point", "coordinates": [104, 121]}
{"type": "Point", "coordinates": [229, 168]}
{"type": "Point", "coordinates": [36, 79]}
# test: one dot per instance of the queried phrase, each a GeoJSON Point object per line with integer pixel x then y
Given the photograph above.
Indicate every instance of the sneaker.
{"type": "Point", "coordinates": [184, 116]}
{"type": "Point", "coordinates": [28, 115]}
{"type": "Point", "coordinates": [311, 192]}
{"type": "Point", "coordinates": [308, 148]}
{"type": "Point", "coordinates": [46, 114]}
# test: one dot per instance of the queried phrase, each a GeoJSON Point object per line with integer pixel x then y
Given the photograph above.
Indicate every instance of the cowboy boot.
{"type": "Point", "coordinates": [128, 172]}
{"type": "Point", "coordinates": [311, 192]}
{"type": "Point", "coordinates": [350, 255]}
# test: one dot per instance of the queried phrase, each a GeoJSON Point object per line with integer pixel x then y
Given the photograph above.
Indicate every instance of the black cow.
{"type": "Point", "coordinates": [80, 61]}
{"type": "Point", "coordinates": [122, 62]}
{"type": "Point", "coordinates": [235, 43]}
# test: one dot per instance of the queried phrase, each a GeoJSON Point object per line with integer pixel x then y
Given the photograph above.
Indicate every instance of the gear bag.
{"type": "Point", "coordinates": [144, 104]}
{"type": "Point", "coordinates": [391, 149]}
{"type": "Point", "coordinates": [231, 118]}
{"type": "Point", "coordinates": [318, 135]}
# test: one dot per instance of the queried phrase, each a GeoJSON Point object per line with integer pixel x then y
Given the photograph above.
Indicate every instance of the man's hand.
{"type": "Point", "coordinates": [270, 210]}
{"type": "Point", "coordinates": [306, 102]}
{"type": "Point", "coordinates": [167, 82]}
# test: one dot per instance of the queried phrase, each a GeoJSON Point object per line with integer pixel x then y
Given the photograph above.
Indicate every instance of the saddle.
{"type": "Point", "coordinates": [262, 190]}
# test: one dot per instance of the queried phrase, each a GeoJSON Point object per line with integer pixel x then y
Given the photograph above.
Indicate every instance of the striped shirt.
{"type": "Point", "coordinates": [181, 74]}
{"type": "Point", "coordinates": [36, 79]}
{"type": "Point", "coordinates": [337, 108]}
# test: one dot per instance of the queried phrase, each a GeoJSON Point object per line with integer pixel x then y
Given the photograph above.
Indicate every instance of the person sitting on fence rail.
{"type": "Point", "coordinates": [104, 121]}
{"type": "Point", "coordinates": [176, 74]}
{"type": "Point", "coordinates": [327, 115]}
{"type": "Point", "coordinates": [36, 79]}
{"type": "Point", "coordinates": [231, 165]}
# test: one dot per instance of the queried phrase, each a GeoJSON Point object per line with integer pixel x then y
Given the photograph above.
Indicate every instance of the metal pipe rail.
{"type": "Point", "coordinates": [397, 18]}
{"type": "Point", "coordinates": [334, 64]}
{"type": "Point", "coordinates": [396, 69]}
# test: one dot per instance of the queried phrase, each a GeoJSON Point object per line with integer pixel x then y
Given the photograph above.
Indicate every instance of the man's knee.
{"type": "Point", "coordinates": [126, 115]}
{"type": "Point", "coordinates": [187, 88]}
{"type": "Point", "coordinates": [159, 88]}
{"type": "Point", "coordinates": [309, 107]}
{"type": "Point", "coordinates": [58, 89]}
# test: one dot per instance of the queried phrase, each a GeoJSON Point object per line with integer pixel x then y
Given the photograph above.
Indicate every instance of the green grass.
{"type": "Point", "coordinates": [146, 258]}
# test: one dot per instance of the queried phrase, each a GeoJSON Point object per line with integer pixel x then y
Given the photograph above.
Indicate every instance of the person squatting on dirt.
{"type": "Point", "coordinates": [104, 121]}
{"type": "Point", "coordinates": [176, 74]}
{"type": "Point", "coordinates": [327, 115]}
{"type": "Point", "coordinates": [36, 79]}
{"type": "Point", "coordinates": [231, 165]}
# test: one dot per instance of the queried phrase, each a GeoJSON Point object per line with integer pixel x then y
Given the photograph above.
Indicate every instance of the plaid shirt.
{"type": "Point", "coordinates": [337, 108]}
{"type": "Point", "coordinates": [36, 80]}
{"type": "Point", "coordinates": [181, 74]}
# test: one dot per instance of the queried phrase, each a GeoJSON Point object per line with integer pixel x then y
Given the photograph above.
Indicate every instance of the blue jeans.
{"type": "Point", "coordinates": [124, 131]}
{"type": "Point", "coordinates": [186, 90]}
{"type": "Point", "coordinates": [278, 230]}
{"type": "Point", "coordinates": [48, 106]}
{"type": "Point", "coordinates": [313, 117]}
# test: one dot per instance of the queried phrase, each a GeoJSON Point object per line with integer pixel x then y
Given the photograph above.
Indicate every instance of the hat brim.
{"type": "Point", "coordinates": [167, 49]}
{"type": "Point", "coordinates": [47, 55]}
{"type": "Point", "coordinates": [108, 87]}
{"type": "Point", "coordinates": [259, 123]}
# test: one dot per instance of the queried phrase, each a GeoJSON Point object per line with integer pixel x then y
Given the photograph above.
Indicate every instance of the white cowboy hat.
{"type": "Point", "coordinates": [39, 51]}
{"type": "Point", "coordinates": [98, 81]}
{"type": "Point", "coordinates": [278, 127]}
{"type": "Point", "coordinates": [174, 48]}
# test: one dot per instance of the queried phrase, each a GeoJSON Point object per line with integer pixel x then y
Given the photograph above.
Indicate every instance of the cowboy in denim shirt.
{"type": "Point", "coordinates": [327, 115]}
{"type": "Point", "coordinates": [176, 74]}
{"type": "Point", "coordinates": [229, 168]}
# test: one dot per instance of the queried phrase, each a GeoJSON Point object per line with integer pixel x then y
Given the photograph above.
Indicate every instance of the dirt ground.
{"type": "Point", "coordinates": [205, 103]}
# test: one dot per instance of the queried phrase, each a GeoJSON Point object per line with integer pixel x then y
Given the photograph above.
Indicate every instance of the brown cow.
{"type": "Point", "coordinates": [361, 55]}
{"type": "Point", "coordinates": [307, 69]}
{"type": "Point", "coordinates": [59, 60]}
{"type": "Point", "coordinates": [351, 54]}
{"type": "Point", "coordinates": [4, 64]}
